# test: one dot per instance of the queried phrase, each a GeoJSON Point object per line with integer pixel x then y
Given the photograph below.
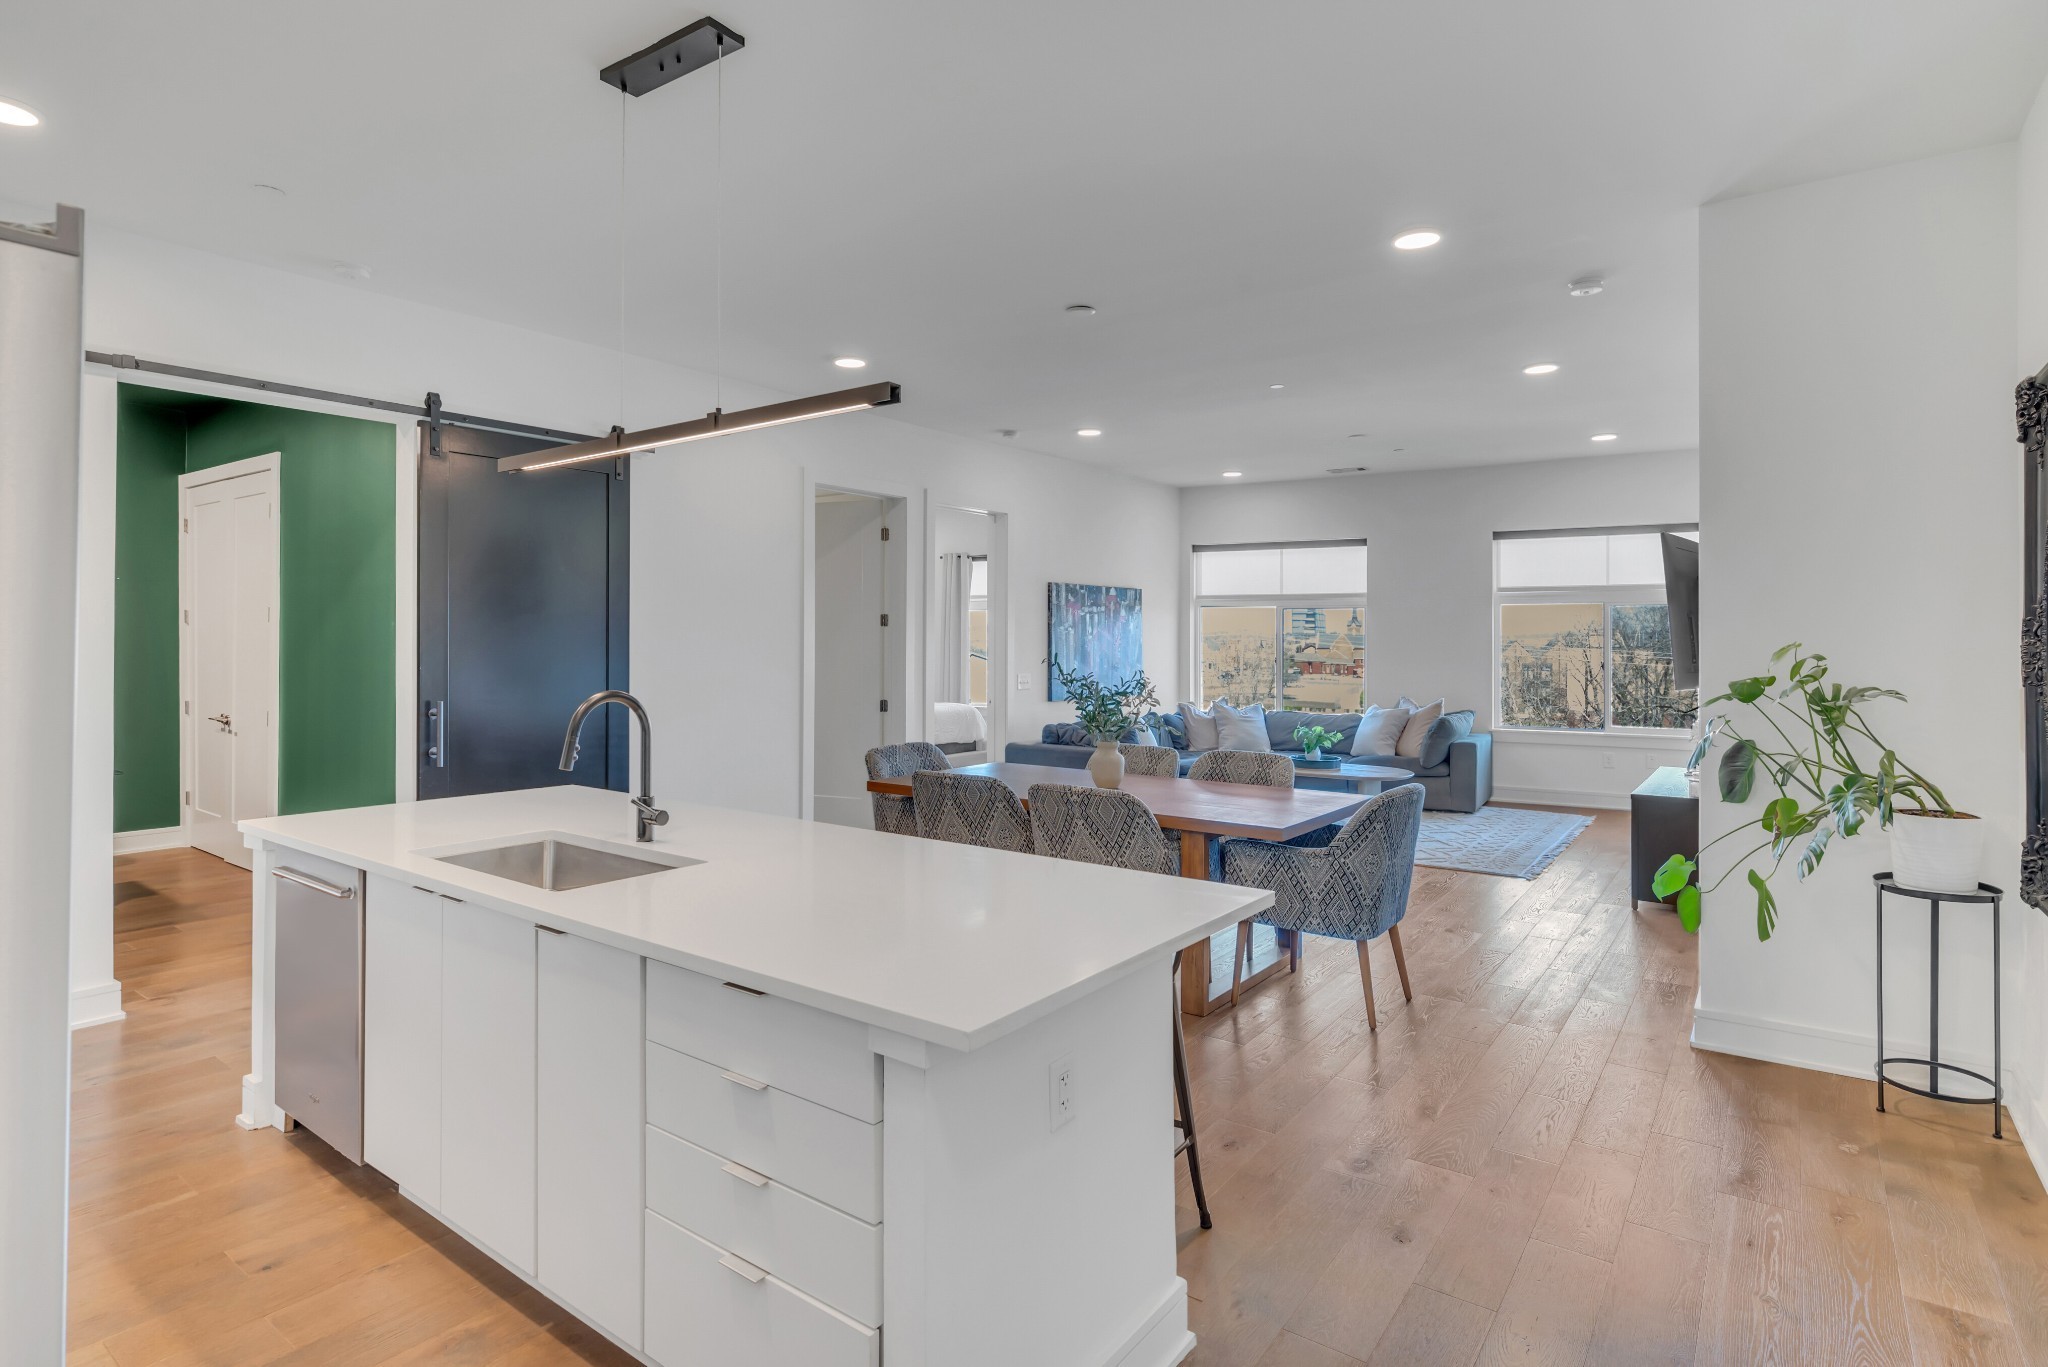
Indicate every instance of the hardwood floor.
{"type": "Point", "coordinates": [1527, 1163]}
{"type": "Point", "coordinates": [1530, 1164]}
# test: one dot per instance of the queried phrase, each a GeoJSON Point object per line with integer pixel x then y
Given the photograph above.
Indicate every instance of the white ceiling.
{"type": "Point", "coordinates": [926, 183]}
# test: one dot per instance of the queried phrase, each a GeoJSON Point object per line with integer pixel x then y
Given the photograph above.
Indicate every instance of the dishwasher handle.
{"type": "Point", "coordinates": [316, 884]}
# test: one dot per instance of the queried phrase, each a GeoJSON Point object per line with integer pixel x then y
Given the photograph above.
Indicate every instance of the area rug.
{"type": "Point", "coordinates": [1513, 842]}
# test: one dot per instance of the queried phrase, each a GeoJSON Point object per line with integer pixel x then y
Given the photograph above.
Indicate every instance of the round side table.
{"type": "Point", "coordinates": [1984, 894]}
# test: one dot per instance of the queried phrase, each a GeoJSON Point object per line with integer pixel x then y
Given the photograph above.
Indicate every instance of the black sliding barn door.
{"type": "Point", "coordinates": [522, 615]}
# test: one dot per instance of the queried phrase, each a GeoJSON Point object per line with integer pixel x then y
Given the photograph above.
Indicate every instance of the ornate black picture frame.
{"type": "Point", "coordinates": [2032, 405]}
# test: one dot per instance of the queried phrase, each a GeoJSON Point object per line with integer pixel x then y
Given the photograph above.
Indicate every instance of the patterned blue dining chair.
{"type": "Point", "coordinates": [898, 815]}
{"type": "Point", "coordinates": [1151, 761]}
{"type": "Point", "coordinates": [1355, 888]}
{"type": "Point", "coordinates": [1260, 767]}
{"type": "Point", "coordinates": [970, 809]}
{"type": "Point", "coordinates": [1102, 826]}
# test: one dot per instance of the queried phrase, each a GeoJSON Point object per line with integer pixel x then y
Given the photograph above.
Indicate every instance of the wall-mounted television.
{"type": "Point", "coordinates": [1682, 596]}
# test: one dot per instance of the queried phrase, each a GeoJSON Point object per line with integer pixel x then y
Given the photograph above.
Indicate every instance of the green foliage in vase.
{"type": "Point", "coordinates": [1106, 710]}
{"type": "Point", "coordinates": [1830, 770]}
{"type": "Point", "coordinates": [1312, 739]}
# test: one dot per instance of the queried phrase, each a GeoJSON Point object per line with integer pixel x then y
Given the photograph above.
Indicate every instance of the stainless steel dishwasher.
{"type": "Point", "coordinates": [320, 1006]}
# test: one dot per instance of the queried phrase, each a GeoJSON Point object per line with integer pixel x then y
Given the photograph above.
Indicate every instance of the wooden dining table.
{"type": "Point", "coordinates": [1198, 814]}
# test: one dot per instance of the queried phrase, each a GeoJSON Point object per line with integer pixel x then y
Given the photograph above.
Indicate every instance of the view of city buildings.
{"type": "Point", "coordinates": [1556, 668]}
{"type": "Point", "coordinates": [1301, 659]}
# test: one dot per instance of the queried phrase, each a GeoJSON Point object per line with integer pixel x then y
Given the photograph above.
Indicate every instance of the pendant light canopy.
{"type": "Point", "coordinates": [705, 42]}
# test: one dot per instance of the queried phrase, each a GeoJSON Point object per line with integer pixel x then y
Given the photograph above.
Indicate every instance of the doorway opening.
{"type": "Point", "coordinates": [328, 574]}
{"type": "Point", "coordinates": [968, 644]}
{"type": "Point", "coordinates": [858, 633]}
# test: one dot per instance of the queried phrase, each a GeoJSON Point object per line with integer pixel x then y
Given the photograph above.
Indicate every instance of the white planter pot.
{"type": "Point", "coordinates": [1936, 853]}
{"type": "Point", "coordinates": [1106, 765]}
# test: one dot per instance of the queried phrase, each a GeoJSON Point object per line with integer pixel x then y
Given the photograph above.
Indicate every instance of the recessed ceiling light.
{"type": "Point", "coordinates": [1356, 435]}
{"type": "Point", "coordinates": [1081, 310]}
{"type": "Point", "coordinates": [1415, 239]}
{"type": "Point", "coordinates": [1545, 368]}
{"type": "Point", "coordinates": [850, 363]}
{"type": "Point", "coordinates": [351, 270]}
{"type": "Point", "coordinates": [1585, 285]}
{"type": "Point", "coordinates": [18, 115]}
{"type": "Point", "coordinates": [1350, 469]}
{"type": "Point", "coordinates": [1606, 436]}
{"type": "Point", "coordinates": [1233, 474]}
{"type": "Point", "coordinates": [1276, 386]}
{"type": "Point", "coordinates": [1087, 431]}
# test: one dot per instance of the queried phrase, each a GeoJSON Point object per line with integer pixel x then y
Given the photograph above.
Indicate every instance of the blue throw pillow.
{"type": "Point", "coordinates": [1436, 742]}
{"type": "Point", "coordinates": [1169, 728]}
{"type": "Point", "coordinates": [1063, 733]}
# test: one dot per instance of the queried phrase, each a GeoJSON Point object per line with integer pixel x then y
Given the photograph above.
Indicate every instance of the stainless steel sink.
{"type": "Point", "coordinates": [557, 864]}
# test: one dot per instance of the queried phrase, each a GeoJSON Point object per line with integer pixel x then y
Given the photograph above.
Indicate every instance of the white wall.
{"type": "Point", "coordinates": [1429, 600]}
{"type": "Point", "coordinates": [1860, 492]}
{"type": "Point", "coordinates": [718, 528]}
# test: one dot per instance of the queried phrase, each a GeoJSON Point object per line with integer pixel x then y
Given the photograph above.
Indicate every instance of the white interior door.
{"type": "Point", "coordinates": [851, 598]}
{"type": "Point", "coordinates": [229, 637]}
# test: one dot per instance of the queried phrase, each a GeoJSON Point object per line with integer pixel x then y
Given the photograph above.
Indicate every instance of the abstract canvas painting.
{"type": "Point", "coordinates": [1096, 630]}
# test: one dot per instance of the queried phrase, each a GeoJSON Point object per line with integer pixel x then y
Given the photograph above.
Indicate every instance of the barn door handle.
{"type": "Point", "coordinates": [437, 718]}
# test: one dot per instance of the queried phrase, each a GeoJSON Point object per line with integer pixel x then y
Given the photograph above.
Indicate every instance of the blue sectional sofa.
{"type": "Point", "coordinates": [1462, 781]}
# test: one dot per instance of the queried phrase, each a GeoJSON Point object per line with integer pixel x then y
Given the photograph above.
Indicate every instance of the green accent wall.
{"type": "Point", "coordinates": [337, 589]}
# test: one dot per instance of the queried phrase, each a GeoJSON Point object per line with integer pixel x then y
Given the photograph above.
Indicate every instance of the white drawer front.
{"type": "Point", "coordinates": [814, 1149]}
{"type": "Point", "coordinates": [813, 1054]}
{"type": "Point", "coordinates": [818, 1250]}
{"type": "Point", "coordinates": [707, 1308]}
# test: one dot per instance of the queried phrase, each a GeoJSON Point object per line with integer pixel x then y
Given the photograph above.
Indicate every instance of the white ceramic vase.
{"type": "Point", "coordinates": [1936, 853]}
{"type": "Point", "coordinates": [1106, 765]}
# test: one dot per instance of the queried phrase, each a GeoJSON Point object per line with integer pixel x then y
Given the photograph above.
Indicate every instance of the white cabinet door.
{"type": "Point", "coordinates": [487, 1078]}
{"type": "Point", "coordinates": [590, 1131]}
{"type": "Point", "coordinates": [402, 1036]}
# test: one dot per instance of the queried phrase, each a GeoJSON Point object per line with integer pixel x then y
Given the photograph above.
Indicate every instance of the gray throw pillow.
{"type": "Point", "coordinates": [1436, 744]}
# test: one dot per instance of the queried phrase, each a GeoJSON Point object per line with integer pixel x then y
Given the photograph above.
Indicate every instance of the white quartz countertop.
{"type": "Point", "coordinates": [946, 943]}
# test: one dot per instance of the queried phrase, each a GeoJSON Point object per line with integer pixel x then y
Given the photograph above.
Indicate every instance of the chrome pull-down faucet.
{"type": "Point", "coordinates": [646, 816]}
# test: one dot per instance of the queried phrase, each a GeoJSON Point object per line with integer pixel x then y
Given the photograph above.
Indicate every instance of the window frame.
{"type": "Point", "coordinates": [1279, 603]}
{"type": "Point", "coordinates": [1608, 597]}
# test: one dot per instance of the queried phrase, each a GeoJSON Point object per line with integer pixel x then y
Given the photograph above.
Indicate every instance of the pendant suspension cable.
{"type": "Point", "coordinates": [718, 219]}
{"type": "Point", "coordinates": [620, 422]}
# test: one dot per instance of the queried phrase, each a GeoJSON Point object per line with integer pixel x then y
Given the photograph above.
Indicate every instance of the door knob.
{"type": "Point", "coordinates": [221, 720]}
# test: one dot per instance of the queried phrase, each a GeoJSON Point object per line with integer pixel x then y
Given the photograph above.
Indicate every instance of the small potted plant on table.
{"type": "Point", "coordinates": [1314, 741]}
{"type": "Point", "coordinates": [1106, 711]}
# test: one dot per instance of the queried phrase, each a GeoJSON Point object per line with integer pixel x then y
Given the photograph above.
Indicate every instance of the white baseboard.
{"type": "Point", "coordinates": [97, 1004]}
{"type": "Point", "coordinates": [1163, 1340]}
{"type": "Point", "coordinates": [140, 842]}
{"type": "Point", "coordinates": [1854, 1055]}
{"type": "Point", "coordinates": [1562, 797]}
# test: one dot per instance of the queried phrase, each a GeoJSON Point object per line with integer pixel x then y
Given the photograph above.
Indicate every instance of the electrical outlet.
{"type": "Point", "coordinates": [1607, 759]}
{"type": "Point", "coordinates": [1023, 682]}
{"type": "Point", "coordinates": [1060, 1091]}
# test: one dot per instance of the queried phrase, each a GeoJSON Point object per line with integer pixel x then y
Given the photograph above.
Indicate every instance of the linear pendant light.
{"type": "Point", "coordinates": [716, 423]}
{"type": "Point", "coordinates": [704, 42]}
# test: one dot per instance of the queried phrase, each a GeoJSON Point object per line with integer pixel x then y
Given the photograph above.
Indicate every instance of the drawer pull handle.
{"type": "Point", "coordinates": [750, 991]}
{"type": "Point", "coordinates": [751, 1084]}
{"type": "Point", "coordinates": [743, 1267]}
{"type": "Point", "coordinates": [747, 1174]}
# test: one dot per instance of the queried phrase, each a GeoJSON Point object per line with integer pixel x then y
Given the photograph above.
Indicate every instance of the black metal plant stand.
{"type": "Point", "coordinates": [1933, 1064]}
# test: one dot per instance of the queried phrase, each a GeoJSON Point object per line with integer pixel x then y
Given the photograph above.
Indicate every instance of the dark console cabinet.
{"type": "Point", "coordinates": [1664, 819]}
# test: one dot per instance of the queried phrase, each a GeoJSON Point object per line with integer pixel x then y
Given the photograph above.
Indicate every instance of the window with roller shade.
{"type": "Point", "coordinates": [1282, 625]}
{"type": "Point", "coordinates": [1582, 633]}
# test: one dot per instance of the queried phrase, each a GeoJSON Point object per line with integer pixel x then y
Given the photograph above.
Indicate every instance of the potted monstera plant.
{"type": "Point", "coordinates": [1106, 711]}
{"type": "Point", "coordinates": [1809, 740]}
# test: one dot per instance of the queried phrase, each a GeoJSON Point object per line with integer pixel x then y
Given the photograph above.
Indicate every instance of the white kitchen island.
{"type": "Point", "coordinates": [795, 1105]}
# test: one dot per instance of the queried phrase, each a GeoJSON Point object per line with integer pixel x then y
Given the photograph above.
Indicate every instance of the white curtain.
{"type": "Point", "coordinates": [955, 575]}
